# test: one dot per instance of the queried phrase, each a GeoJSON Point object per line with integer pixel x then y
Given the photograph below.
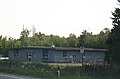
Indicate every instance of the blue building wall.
{"type": "Point", "coordinates": [11, 55]}
{"type": "Point", "coordinates": [58, 56]}
{"type": "Point", "coordinates": [94, 56]}
{"type": "Point", "coordinates": [55, 55]}
{"type": "Point", "coordinates": [36, 54]}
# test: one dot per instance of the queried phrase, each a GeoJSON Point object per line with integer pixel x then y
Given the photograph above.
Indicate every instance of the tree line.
{"type": "Point", "coordinates": [87, 39]}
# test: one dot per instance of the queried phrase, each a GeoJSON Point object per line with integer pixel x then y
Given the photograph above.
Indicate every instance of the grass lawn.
{"type": "Point", "coordinates": [42, 70]}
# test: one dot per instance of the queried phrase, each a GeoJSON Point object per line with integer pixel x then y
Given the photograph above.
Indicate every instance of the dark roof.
{"type": "Point", "coordinates": [59, 48]}
{"type": "Point", "coordinates": [86, 49]}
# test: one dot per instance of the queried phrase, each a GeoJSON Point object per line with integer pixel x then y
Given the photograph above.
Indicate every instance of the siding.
{"type": "Point", "coordinates": [36, 54]}
{"type": "Point", "coordinates": [94, 56]}
{"type": "Point", "coordinates": [56, 54]}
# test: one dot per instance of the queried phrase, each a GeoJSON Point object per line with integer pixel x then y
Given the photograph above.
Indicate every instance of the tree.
{"type": "Point", "coordinates": [33, 30]}
{"type": "Point", "coordinates": [81, 39]}
{"type": "Point", "coordinates": [41, 38]}
{"type": "Point", "coordinates": [34, 40]}
{"type": "Point", "coordinates": [24, 37]}
{"type": "Point", "coordinates": [3, 47]}
{"type": "Point", "coordinates": [17, 43]}
{"type": "Point", "coordinates": [10, 42]}
{"type": "Point", "coordinates": [102, 38]}
{"type": "Point", "coordinates": [55, 40]}
{"type": "Point", "coordinates": [85, 39]}
{"type": "Point", "coordinates": [1, 41]}
{"type": "Point", "coordinates": [63, 42]}
{"type": "Point", "coordinates": [114, 38]}
{"type": "Point", "coordinates": [58, 41]}
{"type": "Point", "coordinates": [72, 40]}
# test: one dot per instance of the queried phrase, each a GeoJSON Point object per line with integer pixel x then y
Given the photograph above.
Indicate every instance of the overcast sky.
{"type": "Point", "coordinates": [58, 17]}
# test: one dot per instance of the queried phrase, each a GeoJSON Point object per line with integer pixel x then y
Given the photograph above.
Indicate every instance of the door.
{"type": "Point", "coordinates": [30, 57]}
{"type": "Point", "coordinates": [73, 58]}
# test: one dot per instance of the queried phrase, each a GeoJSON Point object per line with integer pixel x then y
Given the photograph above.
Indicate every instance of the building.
{"type": "Point", "coordinates": [56, 54]}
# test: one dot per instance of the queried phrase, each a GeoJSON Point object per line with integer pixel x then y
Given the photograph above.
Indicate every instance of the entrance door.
{"type": "Point", "coordinates": [29, 57]}
{"type": "Point", "coordinates": [74, 59]}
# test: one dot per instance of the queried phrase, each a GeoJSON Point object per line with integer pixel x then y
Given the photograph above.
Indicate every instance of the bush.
{"type": "Point", "coordinates": [39, 69]}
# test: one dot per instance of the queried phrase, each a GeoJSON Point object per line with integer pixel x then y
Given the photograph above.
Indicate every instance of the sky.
{"type": "Point", "coordinates": [57, 17]}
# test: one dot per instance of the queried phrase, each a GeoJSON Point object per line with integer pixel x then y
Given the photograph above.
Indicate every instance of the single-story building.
{"type": "Point", "coordinates": [56, 54]}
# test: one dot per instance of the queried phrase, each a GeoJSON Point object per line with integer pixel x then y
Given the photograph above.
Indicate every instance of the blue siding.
{"type": "Point", "coordinates": [55, 55]}
{"type": "Point", "coordinates": [36, 54]}
{"type": "Point", "coordinates": [51, 55]}
{"type": "Point", "coordinates": [58, 56]}
{"type": "Point", "coordinates": [94, 56]}
{"type": "Point", "coordinates": [11, 55]}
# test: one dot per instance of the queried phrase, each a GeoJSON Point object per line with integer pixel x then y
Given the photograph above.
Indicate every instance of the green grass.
{"type": "Point", "coordinates": [36, 69]}
{"type": "Point", "coordinates": [42, 70]}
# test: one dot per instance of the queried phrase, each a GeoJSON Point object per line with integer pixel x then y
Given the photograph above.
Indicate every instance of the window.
{"type": "Point", "coordinates": [65, 54]}
{"type": "Point", "coordinates": [16, 54]}
{"type": "Point", "coordinates": [74, 59]}
{"type": "Point", "coordinates": [30, 57]}
{"type": "Point", "coordinates": [45, 54]}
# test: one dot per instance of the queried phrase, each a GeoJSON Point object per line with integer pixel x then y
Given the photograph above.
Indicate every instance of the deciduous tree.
{"type": "Point", "coordinates": [24, 38]}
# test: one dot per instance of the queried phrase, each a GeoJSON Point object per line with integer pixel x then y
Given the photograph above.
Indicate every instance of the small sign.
{"type": "Point", "coordinates": [82, 49]}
